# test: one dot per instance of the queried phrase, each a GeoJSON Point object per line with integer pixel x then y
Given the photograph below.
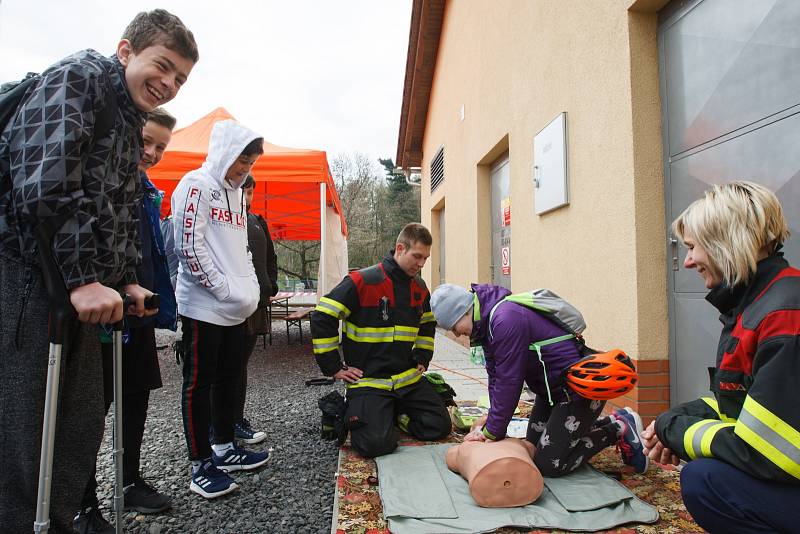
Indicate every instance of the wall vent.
{"type": "Point", "coordinates": [437, 169]}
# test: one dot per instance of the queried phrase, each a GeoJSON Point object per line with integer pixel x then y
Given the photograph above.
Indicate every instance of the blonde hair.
{"type": "Point", "coordinates": [734, 222]}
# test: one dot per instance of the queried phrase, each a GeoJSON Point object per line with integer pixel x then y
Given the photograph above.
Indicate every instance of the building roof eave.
{"type": "Point", "coordinates": [423, 45]}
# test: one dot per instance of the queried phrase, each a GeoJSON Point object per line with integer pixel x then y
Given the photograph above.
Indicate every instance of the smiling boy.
{"type": "Point", "coordinates": [72, 149]}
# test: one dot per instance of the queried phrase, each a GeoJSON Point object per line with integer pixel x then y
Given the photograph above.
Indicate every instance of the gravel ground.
{"type": "Point", "coordinates": [293, 493]}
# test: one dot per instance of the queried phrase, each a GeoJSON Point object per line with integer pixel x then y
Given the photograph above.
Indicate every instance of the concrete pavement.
{"type": "Point", "coordinates": [452, 361]}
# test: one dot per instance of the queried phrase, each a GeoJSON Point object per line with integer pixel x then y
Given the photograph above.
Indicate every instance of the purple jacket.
{"type": "Point", "coordinates": [509, 360]}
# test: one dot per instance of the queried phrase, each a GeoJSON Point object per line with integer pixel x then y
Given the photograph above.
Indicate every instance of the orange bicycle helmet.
{"type": "Point", "coordinates": [602, 376]}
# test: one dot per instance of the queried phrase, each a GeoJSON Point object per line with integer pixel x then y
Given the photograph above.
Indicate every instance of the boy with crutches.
{"type": "Point", "coordinates": [53, 161]}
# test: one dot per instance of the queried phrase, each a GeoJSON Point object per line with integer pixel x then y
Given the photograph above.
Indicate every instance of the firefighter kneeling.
{"type": "Point", "coordinates": [387, 343]}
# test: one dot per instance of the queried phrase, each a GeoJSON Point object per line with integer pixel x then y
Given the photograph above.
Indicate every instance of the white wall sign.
{"type": "Point", "coordinates": [550, 166]}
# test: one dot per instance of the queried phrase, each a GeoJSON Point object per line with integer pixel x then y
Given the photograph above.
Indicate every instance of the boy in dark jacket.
{"type": "Point", "coordinates": [72, 149]}
{"type": "Point", "coordinates": [140, 369]}
{"type": "Point", "coordinates": [265, 263]}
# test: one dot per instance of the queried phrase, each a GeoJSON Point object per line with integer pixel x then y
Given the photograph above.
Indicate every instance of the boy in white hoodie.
{"type": "Point", "coordinates": [216, 290]}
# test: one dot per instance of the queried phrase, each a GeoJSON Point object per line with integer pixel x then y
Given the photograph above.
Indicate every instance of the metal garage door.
{"type": "Point", "coordinates": [730, 89]}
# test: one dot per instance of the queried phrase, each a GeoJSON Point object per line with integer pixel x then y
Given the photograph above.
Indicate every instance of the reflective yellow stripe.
{"type": "Point", "coordinates": [424, 342]}
{"type": "Point", "coordinates": [332, 308]}
{"type": "Point", "coordinates": [378, 383]}
{"type": "Point", "coordinates": [409, 329]}
{"type": "Point", "coordinates": [770, 435]}
{"type": "Point", "coordinates": [405, 333]}
{"type": "Point", "coordinates": [708, 437]}
{"type": "Point", "coordinates": [325, 344]}
{"type": "Point", "coordinates": [427, 317]}
{"type": "Point", "coordinates": [698, 437]}
{"type": "Point", "coordinates": [688, 438]}
{"type": "Point", "coordinates": [369, 334]}
{"type": "Point", "coordinates": [406, 378]}
{"type": "Point", "coordinates": [382, 334]}
{"type": "Point", "coordinates": [712, 402]}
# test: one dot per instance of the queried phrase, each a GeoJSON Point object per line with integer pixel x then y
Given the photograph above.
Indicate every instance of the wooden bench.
{"type": "Point", "coordinates": [296, 318]}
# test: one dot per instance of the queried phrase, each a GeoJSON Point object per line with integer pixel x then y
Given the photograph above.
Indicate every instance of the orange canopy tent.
{"type": "Point", "coordinates": [287, 180]}
{"type": "Point", "coordinates": [290, 186]}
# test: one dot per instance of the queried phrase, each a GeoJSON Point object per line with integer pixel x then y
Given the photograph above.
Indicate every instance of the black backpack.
{"type": "Point", "coordinates": [11, 94]}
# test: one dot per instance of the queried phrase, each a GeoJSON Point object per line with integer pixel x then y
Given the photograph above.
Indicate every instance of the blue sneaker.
{"type": "Point", "coordinates": [210, 482]}
{"type": "Point", "coordinates": [237, 459]}
{"type": "Point", "coordinates": [244, 433]}
{"type": "Point", "coordinates": [630, 443]}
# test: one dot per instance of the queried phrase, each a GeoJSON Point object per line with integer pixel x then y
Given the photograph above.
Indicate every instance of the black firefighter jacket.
{"type": "Point", "coordinates": [753, 421]}
{"type": "Point", "coordinates": [388, 324]}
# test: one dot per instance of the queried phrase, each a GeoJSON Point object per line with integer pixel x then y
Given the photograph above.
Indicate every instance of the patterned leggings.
{"type": "Point", "coordinates": [568, 434]}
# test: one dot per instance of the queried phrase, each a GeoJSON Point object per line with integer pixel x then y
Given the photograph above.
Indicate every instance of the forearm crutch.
{"type": "Point", "coordinates": [116, 430]}
{"type": "Point", "coordinates": [60, 314]}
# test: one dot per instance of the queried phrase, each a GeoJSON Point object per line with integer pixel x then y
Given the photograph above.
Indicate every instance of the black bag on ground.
{"type": "Point", "coordinates": [333, 408]}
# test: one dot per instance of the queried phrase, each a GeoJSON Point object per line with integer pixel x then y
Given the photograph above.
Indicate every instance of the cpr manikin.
{"type": "Point", "coordinates": [500, 474]}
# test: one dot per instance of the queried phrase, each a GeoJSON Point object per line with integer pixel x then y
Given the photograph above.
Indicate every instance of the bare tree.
{"type": "Point", "coordinates": [298, 259]}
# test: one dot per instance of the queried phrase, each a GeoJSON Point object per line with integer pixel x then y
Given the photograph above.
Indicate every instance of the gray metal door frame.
{"type": "Point", "coordinates": [673, 12]}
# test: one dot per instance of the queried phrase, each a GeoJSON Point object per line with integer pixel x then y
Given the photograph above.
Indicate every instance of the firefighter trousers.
{"type": "Point", "coordinates": [371, 416]}
{"type": "Point", "coordinates": [723, 499]}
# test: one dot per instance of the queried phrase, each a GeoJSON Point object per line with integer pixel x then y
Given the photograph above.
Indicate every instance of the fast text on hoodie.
{"type": "Point", "coordinates": [216, 280]}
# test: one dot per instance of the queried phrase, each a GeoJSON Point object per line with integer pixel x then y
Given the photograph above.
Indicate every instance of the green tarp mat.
{"type": "Point", "coordinates": [421, 495]}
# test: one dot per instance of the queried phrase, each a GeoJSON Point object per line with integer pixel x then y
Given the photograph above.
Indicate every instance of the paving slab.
{"type": "Point", "coordinates": [453, 362]}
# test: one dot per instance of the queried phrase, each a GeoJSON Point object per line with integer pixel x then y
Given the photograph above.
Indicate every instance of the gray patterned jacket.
{"type": "Point", "coordinates": [51, 163]}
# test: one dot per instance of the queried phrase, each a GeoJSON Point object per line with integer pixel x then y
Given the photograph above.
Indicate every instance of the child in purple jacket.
{"type": "Point", "coordinates": [563, 426]}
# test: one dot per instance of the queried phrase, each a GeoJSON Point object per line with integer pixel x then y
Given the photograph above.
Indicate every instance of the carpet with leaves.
{"type": "Point", "coordinates": [360, 512]}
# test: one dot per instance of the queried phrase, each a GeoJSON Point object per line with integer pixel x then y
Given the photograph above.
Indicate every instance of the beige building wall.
{"type": "Point", "coordinates": [514, 66]}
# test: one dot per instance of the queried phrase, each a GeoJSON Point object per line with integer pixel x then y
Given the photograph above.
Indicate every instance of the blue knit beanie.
{"type": "Point", "coordinates": [449, 303]}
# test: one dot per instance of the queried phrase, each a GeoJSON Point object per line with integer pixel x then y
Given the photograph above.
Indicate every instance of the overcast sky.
{"type": "Point", "coordinates": [323, 74]}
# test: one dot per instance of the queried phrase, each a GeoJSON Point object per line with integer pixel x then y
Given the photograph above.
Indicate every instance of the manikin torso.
{"type": "Point", "coordinates": [501, 474]}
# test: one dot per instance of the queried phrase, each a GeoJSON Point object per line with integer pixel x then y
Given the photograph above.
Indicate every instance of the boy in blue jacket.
{"type": "Point", "coordinates": [140, 369]}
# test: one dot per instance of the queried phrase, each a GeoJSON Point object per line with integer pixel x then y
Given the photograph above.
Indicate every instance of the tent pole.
{"type": "Point", "coordinates": [323, 205]}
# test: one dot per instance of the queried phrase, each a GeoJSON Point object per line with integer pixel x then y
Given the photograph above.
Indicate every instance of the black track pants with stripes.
{"type": "Point", "coordinates": [211, 368]}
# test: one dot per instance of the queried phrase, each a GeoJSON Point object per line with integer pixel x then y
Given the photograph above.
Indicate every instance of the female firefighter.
{"type": "Point", "coordinates": [742, 445]}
